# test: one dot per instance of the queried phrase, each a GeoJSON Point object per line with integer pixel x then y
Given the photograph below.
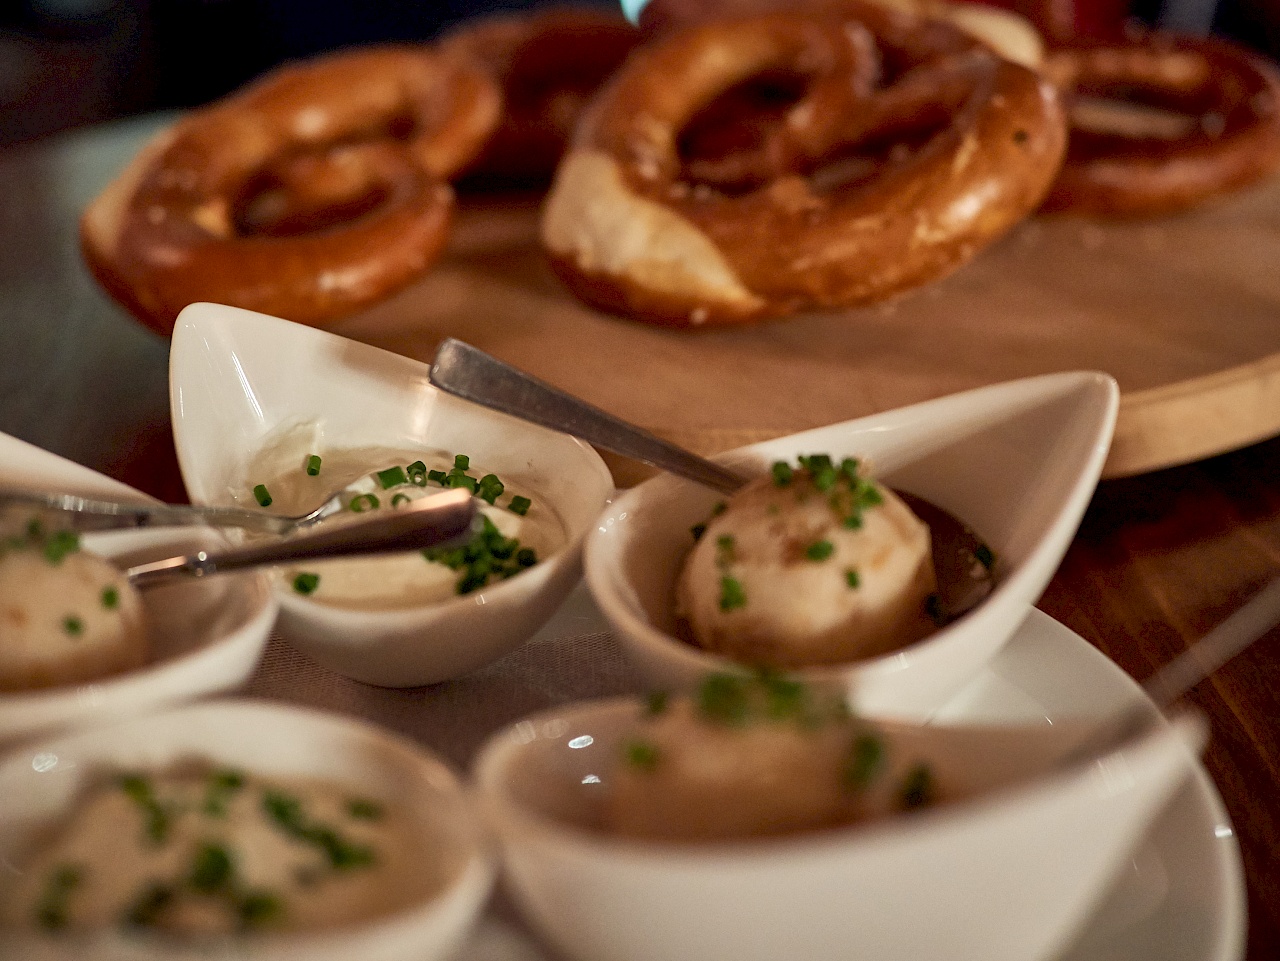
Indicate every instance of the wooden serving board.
{"type": "Point", "coordinates": [1183, 311]}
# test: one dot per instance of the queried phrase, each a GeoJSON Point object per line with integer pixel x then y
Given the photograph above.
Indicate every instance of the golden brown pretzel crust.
{"type": "Point", "coordinates": [1231, 96]}
{"type": "Point", "coordinates": [382, 127]}
{"type": "Point", "coordinates": [677, 254]}
{"type": "Point", "coordinates": [548, 63]}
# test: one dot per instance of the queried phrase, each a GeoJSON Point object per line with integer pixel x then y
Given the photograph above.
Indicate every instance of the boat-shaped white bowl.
{"type": "Point", "coordinates": [39, 783]}
{"type": "Point", "coordinates": [1017, 462]}
{"type": "Point", "coordinates": [205, 636]}
{"type": "Point", "coordinates": [1009, 875]}
{"type": "Point", "coordinates": [239, 381]}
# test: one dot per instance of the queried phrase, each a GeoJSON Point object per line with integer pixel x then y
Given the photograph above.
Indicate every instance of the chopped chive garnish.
{"type": "Point", "coordinates": [782, 473]}
{"type": "Point", "coordinates": [732, 596]}
{"type": "Point", "coordinates": [490, 487]}
{"type": "Point", "coordinates": [72, 626]}
{"type": "Point", "coordinates": [866, 758]}
{"type": "Point", "coordinates": [262, 495]}
{"type": "Point", "coordinates": [461, 462]}
{"type": "Point", "coordinates": [849, 467]}
{"type": "Point", "coordinates": [306, 582]}
{"type": "Point", "coordinates": [60, 544]}
{"type": "Point", "coordinates": [110, 598]}
{"type": "Point", "coordinates": [222, 785]}
{"type": "Point", "coordinates": [819, 550]}
{"type": "Point", "coordinates": [211, 869]}
{"type": "Point", "coordinates": [723, 698]}
{"type": "Point", "coordinates": [519, 505]}
{"type": "Point", "coordinates": [139, 790]}
{"type": "Point", "coordinates": [851, 578]}
{"type": "Point", "coordinates": [364, 502]}
{"type": "Point", "coordinates": [417, 472]}
{"type": "Point", "coordinates": [257, 908]}
{"type": "Point", "coordinates": [362, 809]}
{"type": "Point", "coordinates": [918, 789]}
{"type": "Point", "coordinates": [642, 755]}
{"type": "Point", "coordinates": [51, 910]}
{"type": "Point", "coordinates": [719, 508]}
{"type": "Point", "coordinates": [149, 905]}
{"type": "Point", "coordinates": [399, 499]}
{"type": "Point", "coordinates": [313, 465]}
{"type": "Point", "coordinates": [785, 697]}
{"type": "Point", "coordinates": [437, 475]}
{"type": "Point", "coordinates": [392, 477]}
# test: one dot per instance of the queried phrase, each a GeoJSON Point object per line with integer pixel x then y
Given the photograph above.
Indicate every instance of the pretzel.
{"type": "Point", "coordinates": [1203, 119]}
{"type": "Point", "coordinates": [958, 146]}
{"type": "Point", "coordinates": [218, 207]}
{"type": "Point", "coordinates": [548, 63]}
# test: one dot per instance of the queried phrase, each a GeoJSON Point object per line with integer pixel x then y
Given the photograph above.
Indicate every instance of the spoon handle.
{"type": "Point", "coordinates": [467, 372]}
{"type": "Point", "coordinates": [97, 514]}
{"type": "Point", "coordinates": [427, 522]}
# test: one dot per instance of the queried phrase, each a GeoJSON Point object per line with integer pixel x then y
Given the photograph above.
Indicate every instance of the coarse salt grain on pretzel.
{"type": "Point", "coordinates": [1160, 125]}
{"type": "Point", "coordinates": [961, 144]}
{"type": "Point", "coordinates": [548, 63]}
{"type": "Point", "coordinates": [315, 191]}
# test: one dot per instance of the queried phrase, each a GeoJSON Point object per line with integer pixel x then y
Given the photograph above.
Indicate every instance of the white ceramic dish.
{"type": "Point", "coordinates": [39, 782]}
{"type": "Point", "coordinates": [1009, 875]}
{"type": "Point", "coordinates": [1180, 897]}
{"type": "Point", "coordinates": [206, 636]}
{"type": "Point", "coordinates": [1018, 462]}
{"type": "Point", "coordinates": [238, 380]}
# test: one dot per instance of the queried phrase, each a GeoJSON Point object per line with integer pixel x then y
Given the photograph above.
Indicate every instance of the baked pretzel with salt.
{"type": "Point", "coordinates": [952, 145]}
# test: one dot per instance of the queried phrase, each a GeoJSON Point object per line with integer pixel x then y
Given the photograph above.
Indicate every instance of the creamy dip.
{"type": "Point", "coordinates": [66, 615]}
{"type": "Point", "coordinates": [762, 755]}
{"type": "Point", "coordinates": [203, 850]}
{"type": "Point", "coordinates": [521, 525]}
{"type": "Point", "coordinates": [814, 565]}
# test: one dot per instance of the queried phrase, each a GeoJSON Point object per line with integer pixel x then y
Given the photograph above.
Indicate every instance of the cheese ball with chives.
{"type": "Point", "coordinates": [66, 615]}
{"type": "Point", "coordinates": [813, 565]}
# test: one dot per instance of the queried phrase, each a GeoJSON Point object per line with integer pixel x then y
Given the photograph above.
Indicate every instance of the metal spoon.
{"type": "Point", "coordinates": [962, 560]}
{"type": "Point", "coordinates": [427, 522]}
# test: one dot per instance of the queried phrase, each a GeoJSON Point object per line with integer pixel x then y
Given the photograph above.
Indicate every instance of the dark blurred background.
{"type": "Point", "coordinates": [64, 63]}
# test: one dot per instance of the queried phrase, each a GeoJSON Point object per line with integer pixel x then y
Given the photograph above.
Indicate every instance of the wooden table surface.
{"type": "Point", "coordinates": [1159, 560]}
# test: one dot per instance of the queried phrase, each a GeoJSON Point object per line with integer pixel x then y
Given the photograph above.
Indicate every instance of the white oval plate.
{"type": "Point", "coordinates": [207, 636]}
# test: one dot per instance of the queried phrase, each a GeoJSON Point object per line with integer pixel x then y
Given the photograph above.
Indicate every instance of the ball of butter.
{"type": "Point", "coordinates": [66, 616]}
{"type": "Point", "coordinates": [808, 573]}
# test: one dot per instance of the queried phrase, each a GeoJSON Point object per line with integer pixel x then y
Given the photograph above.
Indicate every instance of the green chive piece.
{"type": "Point", "coordinates": [642, 755]}
{"type": "Point", "coordinates": [262, 495]}
{"type": "Point", "coordinates": [851, 578]}
{"type": "Point", "coordinates": [865, 761]}
{"type": "Point", "coordinates": [782, 473]}
{"type": "Point", "coordinates": [461, 462]}
{"type": "Point", "coordinates": [306, 583]}
{"type": "Point", "coordinates": [364, 502]}
{"type": "Point", "coordinates": [785, 697]}
{"type": "Point", "coordinates": [918, 788]}
{"type": "Point", "coordinates": [222, 785]}
{"type": "Point", "coordinates": [52, 908]}
{"type": "Point", "coordinates": [110, 598]}
{"type": "Point", "coordinates": [60, 544]}
{"type": "Point", "coordinates": [436, 475]}
{"type": "Point", "coordinates": [139, 790]}
{"type": "Point", "coordinates": [313, 465]}
{"type": "Point", "coordinates": [399, 499]}
{"type": "Point", "coordinates": [149, 905]}
{"type": "Point", "coordinates": [72, 625]}
{"type": "Point", "coordinates": [819, 550]}
{"type": "Point", "coordinates": [519, 505]}
{"type": "Point", "coordinates": [732, 596]}
{"type": "Point", "coordinates": [211, 869]}
{"type": "Point", "coordinates": [417, 472]}
{"type": "Point", "coordinates": [656, 702]}
{"type": "Point", "coordinates": [363, 809]}
{"type": "Point", "coordinates": [825, 478]}
{"type": "Point", "coordinates": [490, 487]}
{"type": "Point", "coordinates": [392, 477]}
{"type": "Point", "coordinates": [849, 468]}
{"type": "Point", "coordinates": [719, 508]}
{"type": "Point", "coordinates": [724, 699]}
{"type": "Point", "coordinates": [258, 908]}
